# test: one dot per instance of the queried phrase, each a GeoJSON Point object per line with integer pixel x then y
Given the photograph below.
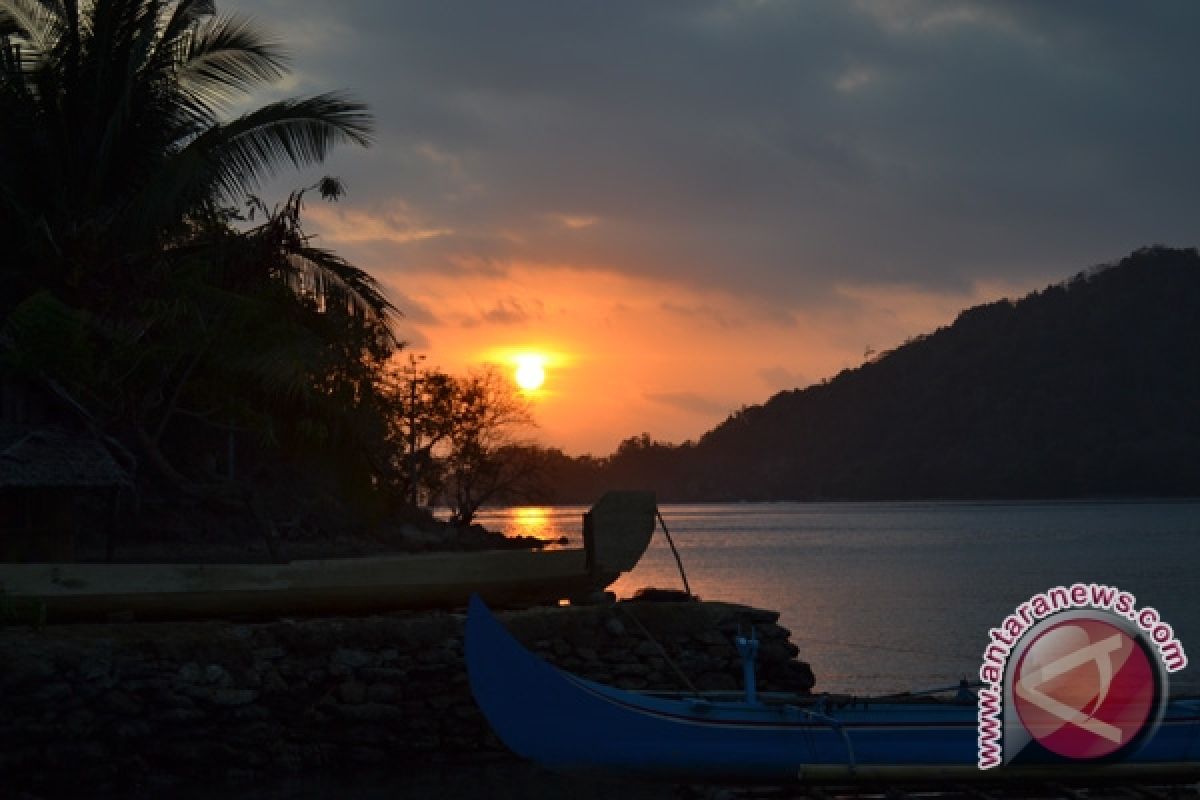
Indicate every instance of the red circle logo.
{"type": "Point", "coordinates": [1084, 688]}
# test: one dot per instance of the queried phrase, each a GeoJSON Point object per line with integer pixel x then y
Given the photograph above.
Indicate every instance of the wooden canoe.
{"type": "Point", "coordinates": [570, 724]}
{"type": "Point", "coordinates": [616, 533]}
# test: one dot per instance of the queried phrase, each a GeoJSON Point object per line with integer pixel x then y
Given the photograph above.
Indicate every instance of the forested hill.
{"type": "Point", "coordinates": [1086, 388]}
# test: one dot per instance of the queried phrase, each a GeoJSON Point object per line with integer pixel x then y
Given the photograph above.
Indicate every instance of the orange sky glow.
{"type": "Point", "coordinates": [688, 207]}
{"type": "Point", "coordinates": [625, 355]}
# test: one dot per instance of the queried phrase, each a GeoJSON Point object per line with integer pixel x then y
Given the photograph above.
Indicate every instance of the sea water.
{"type": "Point", "coordinates": [884, 597]}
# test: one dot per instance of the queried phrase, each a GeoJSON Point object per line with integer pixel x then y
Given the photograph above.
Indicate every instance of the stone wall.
{"type": "Point", "coordinates": [155, 706]}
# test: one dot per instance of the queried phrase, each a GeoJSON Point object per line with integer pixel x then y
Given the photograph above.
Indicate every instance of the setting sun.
{"type": "Point", "coordinates": [530, 373]}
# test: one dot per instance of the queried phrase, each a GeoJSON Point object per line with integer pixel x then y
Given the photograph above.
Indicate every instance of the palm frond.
{"type": "Point", "coordinates": [38, 22]}
{"type": "Point", "coordinates": [186, 14]}
{"type": "Point", "coordinates": [301, 132]}
{"type": "Point", "coordinates": [117, 118]}
{"type": "Point", "coordinates": [332, 279]}
{"type": "Point", "coordinates": [222, 58]}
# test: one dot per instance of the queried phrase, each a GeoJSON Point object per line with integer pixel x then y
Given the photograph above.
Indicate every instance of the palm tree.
{"type": "Point", "coordinates": [113, 136]}
{"type": "Point", "coordinates": [118, 167]}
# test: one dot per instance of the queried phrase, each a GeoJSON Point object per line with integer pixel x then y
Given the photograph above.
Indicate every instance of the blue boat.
{"type": "Point", "coordinates": [570, 724]}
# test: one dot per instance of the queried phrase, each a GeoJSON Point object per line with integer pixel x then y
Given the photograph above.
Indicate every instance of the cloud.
{"type": "Point", "coordinates": [826, 177]}
{"type": "Point", "coordinates": [508, 311]}
{"type": "Point", "coordinates": [576, 221]}
{"type": "Point", "coordinates": [350, 225]}
{"type": "Point", "coordinates": [778, 378]}
{"type": "Point", "coordinates": [689, 402]}
{"type": "Point", "coordinates": [765, 148]}
{"type": "Point", "coordinates": [704, 314]}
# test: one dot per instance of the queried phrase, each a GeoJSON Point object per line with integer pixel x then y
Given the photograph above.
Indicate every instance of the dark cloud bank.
{"type": "Point", "coordinates": [769, 148]}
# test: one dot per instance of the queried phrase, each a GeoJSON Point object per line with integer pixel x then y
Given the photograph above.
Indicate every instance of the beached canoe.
{"type": "Point", "coordinates": [569, 724]}
{"type": "Point", "coordinates": [616, 532]}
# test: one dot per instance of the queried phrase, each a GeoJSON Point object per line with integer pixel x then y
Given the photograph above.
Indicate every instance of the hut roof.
{"type": "Point", "coordinates": [49, 457]}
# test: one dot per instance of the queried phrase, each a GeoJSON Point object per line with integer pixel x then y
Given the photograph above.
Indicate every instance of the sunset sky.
{"type": "Point", "coordinates": [685, 207]}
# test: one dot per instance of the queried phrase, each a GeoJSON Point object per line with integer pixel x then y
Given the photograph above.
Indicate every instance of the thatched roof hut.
{"type": "Point", "coordinates": [45, 473]}
{"type": "Point", "coordinates": [52, 458]}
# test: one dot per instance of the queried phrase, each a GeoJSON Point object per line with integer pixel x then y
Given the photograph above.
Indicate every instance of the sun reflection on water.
{"type": "Point", "coordinates": [535, 521]}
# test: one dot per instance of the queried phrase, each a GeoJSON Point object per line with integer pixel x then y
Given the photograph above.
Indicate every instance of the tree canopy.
{"type": "Point", "coordinates": [189, 323]}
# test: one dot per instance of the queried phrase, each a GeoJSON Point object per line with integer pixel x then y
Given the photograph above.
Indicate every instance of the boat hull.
{"type": "Point", "coordinates": [570, 724]}
{"type": "Point", "coordinates": [81, 592]}
{"type": "Point", "coordinates": [616, 533]}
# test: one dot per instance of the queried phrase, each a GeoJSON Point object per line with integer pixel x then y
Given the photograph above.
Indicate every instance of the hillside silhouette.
{"type": "Point", "coordinates": [1087, 388]}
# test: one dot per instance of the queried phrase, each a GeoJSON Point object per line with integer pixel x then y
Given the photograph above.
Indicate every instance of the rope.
{"type": "Point", "coordinates": [674, 552]}
{"type": "Point", "coordinates": [691, 687]}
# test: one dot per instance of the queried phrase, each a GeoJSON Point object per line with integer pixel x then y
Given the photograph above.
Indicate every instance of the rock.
{"type": "Point", "coordinates": [273, 682]}
{"type": "Point", "coordinates": [70, 755]}
{"type": "Point", "coordinates": [383, 693]}
{"type": "Point", "coordinates": [441, 702]}
{"type": "Point", "coordinates": [711, 638]}
{"type": "Point", "coordinates": [14, 758]}
{"type": "Point", "coordinates": [216, 675]}
{"type": "Point", "coordinates": [631, 669]}
{"type": "Point", "coordinates": [797, 676]}
{"type": "Point", "coordinates": [80, 723]}
{"type": "Point", "coordinates": [231, 697]}
{"type": "Point", "coordinates": [716, 681]}
{"type": "Point", "coordinates": [250, 677]}
{"type": "Point", "coordinates": [757, 616]}
{"type": "Point", "coordinates": [352, 659]}
{"type": "Point", "coordinates": [389, 674]}
{"type": "Point", "coordinates": [23, 671]}
{"type": "Point", "coordinates": [776, 651]}
{"type": "Point", "coordinates": [368, 755]}
{"type": "Point", "coordinates": [53, 693]}
{"type": "Point", "coordinates": [302, 694]}
{"type": "Point", "coordinates": [352, 692]}
{"type": "Point", "coordinates": [369, 712]}
{"type": "Point", "coordinates": [118, 702]}
{"type": "Point", "coordinates": [132, 729]}
{"type": "Point", "coordinates": [646, 649]}
{"type": "Point", "coordinates": [773, 632]}
{"type": "Point", "coordinates": [467, 712]}
{"type": "Point", "coordinates": [251, 713]}
{"type": "Point", "coordinates": [618, 656]}
{"type": "Point", "coordinates": [435, 656]}
{"type": "Point", "coordinates": [97, 669]}
{"type": "Point", "coordinates": [190, 673]}
{"type": "Point", "coordinates": [181, 715]}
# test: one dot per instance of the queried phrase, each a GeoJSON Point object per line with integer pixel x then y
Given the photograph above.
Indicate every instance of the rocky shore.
{"type": "Point", "coordinates": [153, 708]}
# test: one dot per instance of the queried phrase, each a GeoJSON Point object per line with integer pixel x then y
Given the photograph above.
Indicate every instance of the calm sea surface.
{"type": "Point", "coordinates": [891, 596]}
